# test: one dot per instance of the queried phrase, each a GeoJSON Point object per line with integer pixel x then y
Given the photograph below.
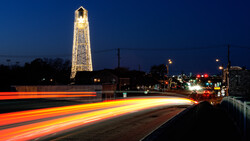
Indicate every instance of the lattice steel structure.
{"type": "Point", "coordinates": [81, 53]}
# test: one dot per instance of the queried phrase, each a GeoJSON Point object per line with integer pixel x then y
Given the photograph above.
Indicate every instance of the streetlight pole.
{"type": "Point", "coordinates": [168, 66]}
{"type": "Point", "coordinates": [169, 62]}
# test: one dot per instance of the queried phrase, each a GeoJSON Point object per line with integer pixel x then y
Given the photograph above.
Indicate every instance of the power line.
{"type": "Point", "coordinates": [243, 47]}
{"type": "Point", "coordinates": [106, 50]}
{"type": "Point", "coordinates": [172, 49]}
{"type": "Point", "coordinates": [126, 49]}
{"type": "Point", "coordinates": [34, 56]}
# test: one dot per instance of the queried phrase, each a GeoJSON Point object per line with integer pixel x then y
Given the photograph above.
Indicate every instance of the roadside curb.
{"type": "Point", "coordinates": [158, 131]}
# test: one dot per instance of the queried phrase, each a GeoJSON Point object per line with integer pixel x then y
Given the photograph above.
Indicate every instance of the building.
{"type": "Point", "coordinates": [95, 77]}
{"type": "Point", "coordinates": [237, 81]}
{"type": "Point", "coordinates": [121, 79]}
{"type": "Point", "coordinates": [81, 52]}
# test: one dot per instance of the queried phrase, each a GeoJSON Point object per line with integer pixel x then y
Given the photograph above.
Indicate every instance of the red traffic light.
{"type": "Point", "coordinates": [205, 75]}
{"type": "Point", "coordinates": [198, 76]}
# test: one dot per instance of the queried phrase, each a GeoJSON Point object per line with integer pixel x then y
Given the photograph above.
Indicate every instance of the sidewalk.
{"type": "Point", "coordinates": [200, 122]}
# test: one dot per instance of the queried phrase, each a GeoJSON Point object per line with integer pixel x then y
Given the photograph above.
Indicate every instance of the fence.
{"type": "Point", "coordinates": [239, 109]}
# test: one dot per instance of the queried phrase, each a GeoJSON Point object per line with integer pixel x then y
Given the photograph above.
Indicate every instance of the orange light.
{"type": "Point", "coordinates": [30, 95]}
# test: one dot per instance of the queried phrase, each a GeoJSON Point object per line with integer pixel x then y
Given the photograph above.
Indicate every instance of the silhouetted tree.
{"type": "Point", "coordinates": [38, 72]}
{"type": "Point", "coordinates": [158, 71]}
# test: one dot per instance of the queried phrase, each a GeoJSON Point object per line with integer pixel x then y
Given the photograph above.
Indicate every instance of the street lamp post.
{"type": "Point", "coordinates": [167, 65]}
{"type": "Point", "coordinates": [169, 62]}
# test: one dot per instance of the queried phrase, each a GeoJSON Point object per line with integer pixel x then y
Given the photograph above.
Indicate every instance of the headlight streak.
{"type": "Point", "coordinates": [110, 109]}
{"type": "Point", "coordinates": [22, 116]}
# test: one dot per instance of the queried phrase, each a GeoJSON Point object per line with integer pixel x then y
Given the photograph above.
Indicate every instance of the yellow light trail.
{"type": "Point", "coordinates": [83, 114]}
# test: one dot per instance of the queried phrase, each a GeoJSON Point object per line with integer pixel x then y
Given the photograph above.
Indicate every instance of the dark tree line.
{"type": "Point", "coordinates": [51, 72]}
{"type": "Point", "coordinates": [38, 72]}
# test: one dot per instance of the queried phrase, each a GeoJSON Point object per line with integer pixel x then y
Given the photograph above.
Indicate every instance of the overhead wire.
{"type": "Point", "coordinates": [126, 49]}
{"type": "Point", "coordinates": [173, 49]}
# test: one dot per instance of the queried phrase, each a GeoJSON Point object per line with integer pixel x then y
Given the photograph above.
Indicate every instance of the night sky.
{"type": "Point", "coordinates": [193, 33]}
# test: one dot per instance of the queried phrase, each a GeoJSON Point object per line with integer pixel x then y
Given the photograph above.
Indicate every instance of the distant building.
{"type": "Point", "coordinates": [237, 81]}
{"type": "Point", "coordinates": [95, 77]}
{"type": "Point", "coordinates": [128, 80]}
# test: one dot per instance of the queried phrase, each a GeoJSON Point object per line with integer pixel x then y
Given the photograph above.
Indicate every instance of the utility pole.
{"type": "Point", "coordinates": [228, 69]}
{"type": "Point", "coordinates": [118, 68]}
{"type": "Point", "coordinates": [119, 57]}
{"type": "Point", "coordinates": [228, 56]}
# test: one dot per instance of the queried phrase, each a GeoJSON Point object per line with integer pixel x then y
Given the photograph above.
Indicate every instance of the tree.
{"type": "Point", "coordinates": [158, 71]}
{"type": "Point", "coordinates": [42, 72]}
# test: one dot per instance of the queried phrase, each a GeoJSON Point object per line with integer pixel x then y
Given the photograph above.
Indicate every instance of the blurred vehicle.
{"type": "Point", "coordinates": [195, 89]}
{"type": "Point", "coordinates": [208, 93]}
{"type": "Point", "coordinates": [197, 92]}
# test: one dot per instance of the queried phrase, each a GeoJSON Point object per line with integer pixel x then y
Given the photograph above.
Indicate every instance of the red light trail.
{"type": "Point", "coordinates": [32, 124]}
{"type": "Point", "coordinates": [30, 95]}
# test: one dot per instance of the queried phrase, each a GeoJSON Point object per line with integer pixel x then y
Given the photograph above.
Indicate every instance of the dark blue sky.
{"type": "Point", "coordinates": [45, 27]}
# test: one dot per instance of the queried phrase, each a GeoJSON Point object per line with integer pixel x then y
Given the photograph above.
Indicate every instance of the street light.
{"type": "Point", "coordinates": [170, 61]}
{"type": "Point", "coordinates": [167, 65]}
{"type": "Point", "coordinates": [221, 68]}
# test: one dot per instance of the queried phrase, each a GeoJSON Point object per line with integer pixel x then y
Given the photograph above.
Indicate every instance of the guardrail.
{"type": "Point", "coordinates": [239, 109]}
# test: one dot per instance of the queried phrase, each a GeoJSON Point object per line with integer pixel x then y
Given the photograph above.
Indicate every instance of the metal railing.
{"type": "Point", "coordinates": [239, 109]}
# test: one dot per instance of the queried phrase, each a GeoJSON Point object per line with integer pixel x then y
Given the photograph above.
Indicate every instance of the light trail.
{"type": "Point", "coordinates": [22, 116]}
{"type": "Point", "coordinates": [31, 95]}
{"type": "Point", "coordinates": [83, 114]}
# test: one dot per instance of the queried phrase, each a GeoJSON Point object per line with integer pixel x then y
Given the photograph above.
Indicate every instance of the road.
{"type": "Point", "coordinates": [70, 121]}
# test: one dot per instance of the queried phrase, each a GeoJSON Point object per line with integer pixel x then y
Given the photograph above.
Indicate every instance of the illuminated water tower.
{"type": "Point", "coordinates": [81, 52]}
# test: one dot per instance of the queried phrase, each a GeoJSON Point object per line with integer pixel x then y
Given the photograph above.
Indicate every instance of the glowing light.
{"type": "Point", "coordinates": [81, 20]}
{"type": "Point", "coordinates": [170, 61]}
{"type": "Point", "coordinates": [197, 87]}
{"type": "Point", "coordinates": [29, 95]}
{"type": "Point", "coordinates": [216, 88]}
{"type": "Point", "coordinates": [54, 120]}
